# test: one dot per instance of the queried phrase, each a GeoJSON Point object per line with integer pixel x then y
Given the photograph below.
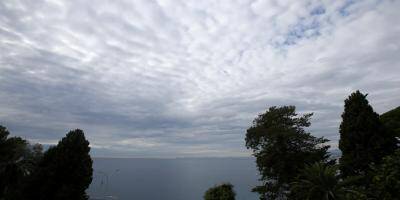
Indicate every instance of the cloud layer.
{"type": "Point", "coordinates": [168, 78]}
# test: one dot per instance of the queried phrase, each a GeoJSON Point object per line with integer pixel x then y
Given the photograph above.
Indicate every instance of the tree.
{"type": "Point", "coordinates": [386, 180]}
{"type": "Point", "coordinates": [17, 161]}
{"type": "Point", "coordinates": [220, 192]}
{"type": "Point", "coordinates": [391, 121]}
{"type": "Point", "coordinates": [363, 139]}
{"type": "Point", "coordinates": [282, 148]}
{"type": "Point", "coordinates": [320, 181]}
{"type": "Point", "coordinates": [65, 171]}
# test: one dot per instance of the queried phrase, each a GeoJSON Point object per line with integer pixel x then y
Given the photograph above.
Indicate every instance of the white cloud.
{"type": "Point", "coordinates": [172, 78]}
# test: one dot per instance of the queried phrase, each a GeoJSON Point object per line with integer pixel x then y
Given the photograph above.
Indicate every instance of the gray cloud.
{"type": "Point", "coordinates": [186, 78]}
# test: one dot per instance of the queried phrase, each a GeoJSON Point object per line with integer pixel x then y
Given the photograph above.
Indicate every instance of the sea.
{"type": "Point", "coordinates": [170, 179]}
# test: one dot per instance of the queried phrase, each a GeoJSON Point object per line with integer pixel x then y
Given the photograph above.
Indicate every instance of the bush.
{"type": "Point", "coordinates": [220, 192]}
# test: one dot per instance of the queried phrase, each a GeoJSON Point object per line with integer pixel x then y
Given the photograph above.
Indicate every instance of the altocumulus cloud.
{"type": "Point", "coordinates": [166, 78]}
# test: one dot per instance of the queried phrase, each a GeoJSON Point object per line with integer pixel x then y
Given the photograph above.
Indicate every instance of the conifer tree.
{"type": "Point", "coordinates": [363, 139]}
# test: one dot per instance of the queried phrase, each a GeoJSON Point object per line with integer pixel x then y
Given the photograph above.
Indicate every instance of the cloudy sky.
{"type": "Point", "coordinates": [173, 78]}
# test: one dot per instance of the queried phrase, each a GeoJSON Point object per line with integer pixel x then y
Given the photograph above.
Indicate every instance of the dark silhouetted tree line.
{"type": "Point", "coordinates": [63, 172]}
{"type": "Point", "coordinates": [293, 164]}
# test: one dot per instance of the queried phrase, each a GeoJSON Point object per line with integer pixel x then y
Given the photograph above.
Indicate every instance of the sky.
{"type": "Point", "coordinates": [186, 78]}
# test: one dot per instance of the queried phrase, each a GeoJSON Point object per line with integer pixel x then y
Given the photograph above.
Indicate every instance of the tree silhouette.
{"type": "Point", "coordinates": [363, 139]}
{"type": "Point", "coordinates": [321, 181]}
{"type": "Point", "coordinates": [18, 159]}
{"type": "Point", "coordinates": [65, 171]}
{"type": "Point", "coordinates": [220, 192]}
{"type": "Point", "coordinates": [282, 148]}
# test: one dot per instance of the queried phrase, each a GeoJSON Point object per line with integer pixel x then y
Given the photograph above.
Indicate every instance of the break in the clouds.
{"type": "Point", "coordinates": [166, 78]}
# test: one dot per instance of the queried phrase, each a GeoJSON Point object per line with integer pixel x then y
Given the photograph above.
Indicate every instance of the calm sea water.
{"type": "Point", "coordinates": [170, 179]}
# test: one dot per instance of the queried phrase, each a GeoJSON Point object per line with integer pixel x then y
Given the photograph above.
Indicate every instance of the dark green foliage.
{"type": "Point", "coordinates": [320, 181]}
{"type": "Point", "coordinates": [282, 148]}
{"type": "Point", "coordinates": [220, 192]}
{"type": "Point", "coordinates": [386, 180]}
{"type": "Point", "coordinates": [17, 160]}
{"type": "Point", "coordinates": [391, 120]}
{"type": "Point", "coordinates": [363, 139]}
{"type": "Point", "coordinates": [317, 182]}
{"type": "Point", "coordinates": [11, 149]}
{"type": "Point", "coordinates": [65, 171]}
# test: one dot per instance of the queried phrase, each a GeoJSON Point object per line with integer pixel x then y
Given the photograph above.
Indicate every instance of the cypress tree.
{"type": "Point", "coordinates": [363, 139]}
